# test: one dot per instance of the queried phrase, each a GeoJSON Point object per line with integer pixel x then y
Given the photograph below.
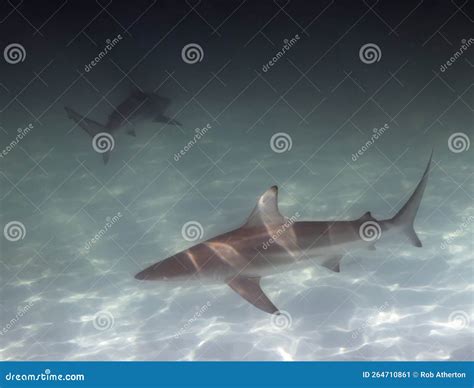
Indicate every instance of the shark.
{"type": "Point", "coordinates": [138, 107]}
{"type": "Point", "coordinates": [268, 244]}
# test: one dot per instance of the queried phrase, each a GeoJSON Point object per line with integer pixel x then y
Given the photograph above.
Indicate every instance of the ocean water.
{"type": "Point", "coordinates": [302, 123]}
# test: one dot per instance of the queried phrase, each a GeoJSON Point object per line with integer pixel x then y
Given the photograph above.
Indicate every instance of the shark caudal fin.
{"type": "Point", "coordinates": [406, 215]}
{"type": "Point", "coordinates": [90, 126]}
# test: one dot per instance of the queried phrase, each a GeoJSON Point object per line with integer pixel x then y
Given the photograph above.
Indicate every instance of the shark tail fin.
{"type": "Point", "coordinates": [90, 126]}
{"type": "Point", "coordinates": [406, 215]}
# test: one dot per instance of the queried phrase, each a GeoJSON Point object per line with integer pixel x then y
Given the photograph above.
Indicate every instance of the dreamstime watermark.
{"type": "Point", "coordinates": [458, 142]}
{"type": "Point", "coordinates": [14, 231]}
{"type": "Point", "coordinates": [280, 231]}
{"type": "Point", "coordinates": [370, 231]}
{"type": "Point", "coordinates": [103, 142]}
{"type": "Point", "coordinates": [200, 132]}
{"type": "Point", "coordinates": [110, 221]}
{"type": "Point", "coordinates": [14, 53]}
{"type": "Point", "coordinates": [288, 44]}
{"type": "Point", "coordinates": [459, 320]}
{"type": "Point", "coordinates": [200, 311]}
{"type": "Point", "coordinates": [19, 314]}
{"type": "Point", "coordinates": [370, 53]}
{"type": "Point", "coordinates": [103, 320]}
{"type": "Point", "coordinates": [465, 45]}
{"type": "Point", "coordinates": [463, 227]}
{"type": "Point", "coordinates": [22, 132]}
{"type": "Point", "coordinates": [281, 320]}
{"type": "Point", "coordinates": [110, 44]}
{"type": "Point", "coordinates": [377, 133]}
{"type": "Point", "coordinates": [45, 376]}
{"type": "Point", "coordinates": [192, 231]}
{"type": "Point", "coordinates": [281, 142]}
{"type": "Point", "coordinates": [192, 53]}
{"type": "Point", "coordinates": [371, 321]}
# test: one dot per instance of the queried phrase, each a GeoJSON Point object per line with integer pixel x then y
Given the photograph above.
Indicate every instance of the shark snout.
{"type": "Point", "coordinates": [172, 268]}
{"type": "Point", "coordinates": [141, 275]}
{"type": "Point", "coordinates": [151, 274]}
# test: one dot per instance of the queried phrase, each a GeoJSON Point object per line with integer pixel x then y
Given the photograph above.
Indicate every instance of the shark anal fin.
{"type": "Point", "coordinates": [249, 289]}
{"type": "Point", "coordinates": [333, 263]}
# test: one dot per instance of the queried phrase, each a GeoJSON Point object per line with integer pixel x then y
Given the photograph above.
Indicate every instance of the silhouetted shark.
{"type": "Point", "coordinates": [137, 108]}
{"type": "Point", "coordinates": [268, 243]}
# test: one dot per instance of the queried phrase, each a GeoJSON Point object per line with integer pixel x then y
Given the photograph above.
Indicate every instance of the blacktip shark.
{"type": "Point", "coordinates": [137, 108]}
{"type": "Point", "coordinates": [268, 244]}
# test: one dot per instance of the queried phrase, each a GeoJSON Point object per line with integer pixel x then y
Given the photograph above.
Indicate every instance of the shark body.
{"type": "Point", "coordinates": [138, 107]}
{"type": "Point", "coordinates": [268, 244]}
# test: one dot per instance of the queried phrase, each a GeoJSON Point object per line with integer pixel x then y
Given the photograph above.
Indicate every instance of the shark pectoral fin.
{"type": "Point", "coordinates": [333, 263]}
{"type": "Point", "coordinates": [249, 289]}
{"type": "Point", "coordinates": [131, 132]}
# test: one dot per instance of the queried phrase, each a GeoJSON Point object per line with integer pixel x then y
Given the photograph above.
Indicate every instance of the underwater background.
{"type": "Point", "coordinates": [339, 103]}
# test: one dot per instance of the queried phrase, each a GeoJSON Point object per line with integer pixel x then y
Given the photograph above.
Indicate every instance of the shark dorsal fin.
{"type": "Point", "coordinates": [266, 211]}
{"type": "Point", "coordinates": [366, 217]}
